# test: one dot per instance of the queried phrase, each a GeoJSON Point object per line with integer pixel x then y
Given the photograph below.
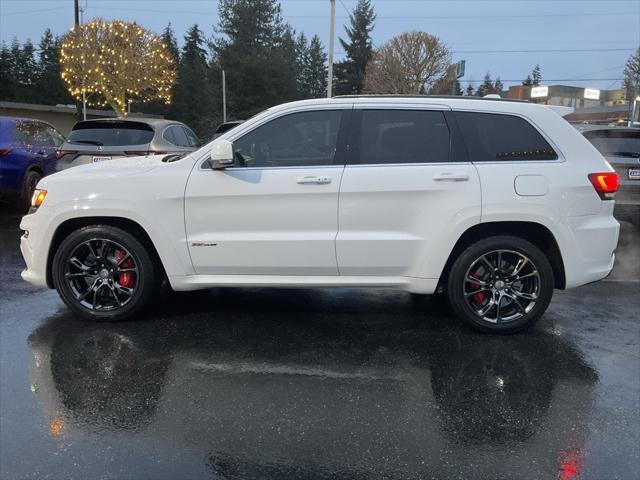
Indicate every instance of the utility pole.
{"type": "Point", "coordinates": [634, 103]}
{"type": "Point", "coordinates": [224, 98]}
{"type": "Point", "coordinates": [332, 22]}
{"type": "Point", "coordinates": [76, 10]}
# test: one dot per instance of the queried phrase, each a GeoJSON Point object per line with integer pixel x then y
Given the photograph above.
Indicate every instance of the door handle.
{"type": "Point", "coordinates": [451, 177]}
{"type": "Point", "coordinates": [313, 180]}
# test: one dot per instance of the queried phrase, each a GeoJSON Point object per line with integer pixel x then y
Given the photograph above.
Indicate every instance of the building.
{"type": "Point", "coordinates": [590, 105]}
{"type": "Point", "coordinates": [567, 95]}
{"type": "Point", "coordinates": [63, 117]}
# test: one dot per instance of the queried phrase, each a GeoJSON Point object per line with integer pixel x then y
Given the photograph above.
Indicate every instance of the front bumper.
{"type": "Point", "coordinates": [34, 245]}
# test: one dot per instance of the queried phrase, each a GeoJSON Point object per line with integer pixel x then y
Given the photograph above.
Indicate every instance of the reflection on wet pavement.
{"type": "Point", "coordinates": [254, 383]}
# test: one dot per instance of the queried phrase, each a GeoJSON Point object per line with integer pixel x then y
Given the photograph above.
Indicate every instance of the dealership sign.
{"type": "Point", "coordinates": [591, 94]}
{"type": "Point", "coordinates": [537, 92]}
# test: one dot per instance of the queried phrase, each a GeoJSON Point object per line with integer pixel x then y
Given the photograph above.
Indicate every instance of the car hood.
{"type": "Point", "coordinates": [110, 168]}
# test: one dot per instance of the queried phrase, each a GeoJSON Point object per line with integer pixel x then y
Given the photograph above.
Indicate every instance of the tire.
{"type": "Point", "coordinates": [31, 179]}
{"type": "Point", "coordinates": [503, 300]}
{"type": "Point", "coordinates": [110, 259]}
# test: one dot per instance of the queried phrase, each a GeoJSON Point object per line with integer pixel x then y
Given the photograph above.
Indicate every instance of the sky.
{"type": "Point", "coordinates": [576, 42]}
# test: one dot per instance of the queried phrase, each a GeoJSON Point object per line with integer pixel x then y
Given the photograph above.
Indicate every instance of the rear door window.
{"type": "Point", "coordinates": [111, 134]}
{"type": "Point", "coordinates": [28, 132]}
{"type": "Point", "coordinates": [494, 137]}
{"type": "Point", "coordinates": [403, 136]}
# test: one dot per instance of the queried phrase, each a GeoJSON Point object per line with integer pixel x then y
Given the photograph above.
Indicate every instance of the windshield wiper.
{"type": "Point", "coordinates": [89, 142]}
{"type": "Point", "coordinates": [625, 154]}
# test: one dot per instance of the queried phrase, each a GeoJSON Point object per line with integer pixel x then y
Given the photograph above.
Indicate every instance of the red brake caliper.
{"type": "Point", "coordinates": [478, 297]}
{"type": "Point", "coordinates": [126, 279]}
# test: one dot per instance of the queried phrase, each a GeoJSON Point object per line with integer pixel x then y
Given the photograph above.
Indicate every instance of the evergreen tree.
{"type": "Point", "coordinates": [158, 107]}
{"type": "Point", "coordinates": [191, 102]}
{"type": "Point", "coordinates": [469, 90]}
{"type": "Point", "coordinates": [527, 82]}
{"type": "Point", "coordinates": [317, 69]}
{"type": "Point", "coordinates": [49, 87]}
{"type": "Point", "coordinates": [302, 60]}
{"type": "Point", "coordinates": [497, 86]}
{"type": "Point", "coordinates": [257, 51]}
{"type": "Point", "coordinates": [169, 38]}
{"type": "Point", "coordinates": [7, 79]}
{"type": "Point", "coordinates": [23, 67]}
{"type": "Point", "coordinates": [486, 87]}
{"type": "Point", "coordinates": [536, 76]}
{"type": "Point", "coordinates": [311, 66]}
{"type": "Point", "coordinates": [349, 74]}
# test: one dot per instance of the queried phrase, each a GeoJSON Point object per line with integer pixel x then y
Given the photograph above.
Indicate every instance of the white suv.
{"type": "Point", "coordinates": [495, 203]}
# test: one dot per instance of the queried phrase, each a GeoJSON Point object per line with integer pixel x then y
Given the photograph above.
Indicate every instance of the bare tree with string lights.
{"type": "Point", "coordinates": [115, 62]}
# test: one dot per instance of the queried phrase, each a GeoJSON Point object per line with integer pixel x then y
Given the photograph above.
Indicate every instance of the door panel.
{"type": "Point", "coordinates": [266, 218]}
{"type": "Point", "coordinates": [393, 215]}
{"type": "Point", "coordinates": [262, 221]}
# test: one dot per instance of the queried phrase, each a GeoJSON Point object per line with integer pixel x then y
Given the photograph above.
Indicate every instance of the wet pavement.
{"type": "Point", "coordinates": [255, 383]}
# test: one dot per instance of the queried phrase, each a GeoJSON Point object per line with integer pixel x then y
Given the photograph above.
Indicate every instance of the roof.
{"type": "Point", "coordinates": [153, 122]}
{"type": "Point", "coordinates": [10, 118]}
{"type": "Point", "coordinates": [444, 102]}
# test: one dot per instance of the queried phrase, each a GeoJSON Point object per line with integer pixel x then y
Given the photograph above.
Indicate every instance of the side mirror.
{"type": "Point", "coordinates": [221, 155]}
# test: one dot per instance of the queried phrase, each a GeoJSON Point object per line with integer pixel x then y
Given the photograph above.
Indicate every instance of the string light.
{"type": "Point", "coordinates": [111, 63]}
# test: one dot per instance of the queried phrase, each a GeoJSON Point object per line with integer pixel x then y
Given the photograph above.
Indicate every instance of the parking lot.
{"type": "Point", "coordinates": [249, 383]}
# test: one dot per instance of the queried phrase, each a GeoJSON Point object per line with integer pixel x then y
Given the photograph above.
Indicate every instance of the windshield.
{"type": "Point", "coordinates": [111, 134]}
{"type": "Point", "coordinates": [622, 143]}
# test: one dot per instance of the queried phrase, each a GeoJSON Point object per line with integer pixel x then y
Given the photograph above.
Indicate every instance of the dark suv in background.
{"type": "Point", "coordinates": [94, 141]}
{"type": "Point", "coordinates": [621, 147]}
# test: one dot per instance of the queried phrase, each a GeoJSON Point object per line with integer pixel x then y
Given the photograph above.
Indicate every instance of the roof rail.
{"type": "Point", "coordinates": [458, 97]}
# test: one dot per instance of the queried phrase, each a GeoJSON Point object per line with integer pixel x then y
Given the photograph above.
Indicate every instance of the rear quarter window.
{"type": "Point", "coordinates": [496, 137]}
{"type": "Point", "coordinates": [111, 134]}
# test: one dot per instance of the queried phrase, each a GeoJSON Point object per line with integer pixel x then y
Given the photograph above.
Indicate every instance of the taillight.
{"type": "Point", "coordinates": [606, 184]}
{"type": "Point", "coordinates": [4, 151]}
{"type": "Point", "coordinates": [62, 153]}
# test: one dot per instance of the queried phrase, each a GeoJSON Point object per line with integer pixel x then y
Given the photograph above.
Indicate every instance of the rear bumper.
{"type": "Point", "coordinates": [588, 249]}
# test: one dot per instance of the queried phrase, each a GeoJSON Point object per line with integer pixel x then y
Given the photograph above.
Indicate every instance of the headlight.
{"type": "Point", "coordinates": [37, 199]}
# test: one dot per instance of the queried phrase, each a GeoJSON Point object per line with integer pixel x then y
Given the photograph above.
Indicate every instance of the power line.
{"type": "Point", "coordinates": [389, 17]}
{"type": "Point", "coordinates": [566, 50]}
{"type": "Point", "coordinates": [554, 80]}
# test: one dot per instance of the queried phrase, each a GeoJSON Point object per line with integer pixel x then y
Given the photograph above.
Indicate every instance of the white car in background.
{"type": "Point", "coordinates": [494, 202]}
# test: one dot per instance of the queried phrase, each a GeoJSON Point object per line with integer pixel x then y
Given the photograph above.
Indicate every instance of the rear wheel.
{"type": "Point", "coordinates": [501, 284]}
{"type": "Point", "coordinates": [103, 273]}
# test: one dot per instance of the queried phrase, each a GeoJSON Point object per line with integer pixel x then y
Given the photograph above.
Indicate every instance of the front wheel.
{"type": "Point", "coordinates": [103, 273]}
{"type": "Point", "coordinates": [501, 284]}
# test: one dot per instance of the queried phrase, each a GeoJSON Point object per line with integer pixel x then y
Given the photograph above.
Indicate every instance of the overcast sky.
{"type": "Point", "coordinates": [572, 40]}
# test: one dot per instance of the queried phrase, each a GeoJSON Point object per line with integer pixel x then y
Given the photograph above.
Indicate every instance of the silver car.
{"type": "Point", "coordinates": [621, 147]}
{"type": "Point", "coordinates": [104, 139]}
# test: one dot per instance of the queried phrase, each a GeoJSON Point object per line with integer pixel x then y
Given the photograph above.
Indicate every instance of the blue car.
{"type": "Point", "coordinates": [27, 153]}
